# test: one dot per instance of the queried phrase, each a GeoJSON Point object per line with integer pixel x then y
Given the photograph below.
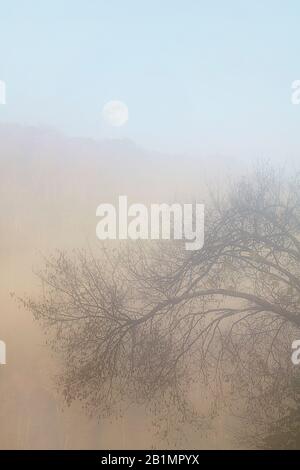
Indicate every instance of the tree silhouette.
{"type": "Point", "coordinates": [151, 321]}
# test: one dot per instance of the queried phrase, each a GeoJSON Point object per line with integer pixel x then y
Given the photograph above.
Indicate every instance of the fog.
{"type": "Point", "coordinates": [50, 188]}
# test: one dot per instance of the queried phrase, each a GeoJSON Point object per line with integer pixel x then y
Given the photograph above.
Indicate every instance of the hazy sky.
{"type": "Point", "coordinates": [207, 76]}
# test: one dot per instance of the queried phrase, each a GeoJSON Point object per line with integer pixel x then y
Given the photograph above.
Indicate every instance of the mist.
{"type": "Point", "coordinates": [51, 186]}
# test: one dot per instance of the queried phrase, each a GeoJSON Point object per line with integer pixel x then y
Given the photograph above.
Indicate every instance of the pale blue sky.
{"type": "Point", "coordinates": [212, 77]}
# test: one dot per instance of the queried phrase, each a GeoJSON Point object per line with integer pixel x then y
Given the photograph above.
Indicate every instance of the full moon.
{"type": "Point", "coordinates": [115, 113]}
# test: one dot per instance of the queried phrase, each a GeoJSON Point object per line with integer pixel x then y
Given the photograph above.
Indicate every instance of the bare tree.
{"type": "Point", "coordinates": [148, 323]}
